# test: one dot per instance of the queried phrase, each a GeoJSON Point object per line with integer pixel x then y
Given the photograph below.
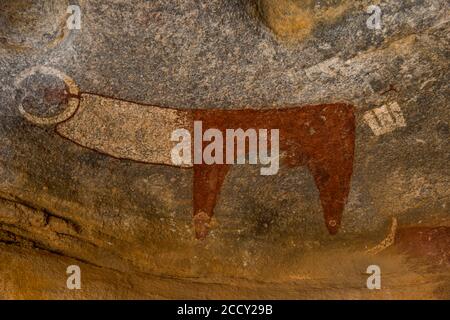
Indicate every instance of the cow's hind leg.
{"type": "Point", "coordinates": [331, 165]}
{"type": "Point", "coordinates": [208, 180]}
{"type": "Point", "coordinates": [333, 183]}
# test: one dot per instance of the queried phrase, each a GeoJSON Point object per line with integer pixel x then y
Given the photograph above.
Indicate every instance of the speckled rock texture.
{"type": "Point", "coordinates": [128, 224]}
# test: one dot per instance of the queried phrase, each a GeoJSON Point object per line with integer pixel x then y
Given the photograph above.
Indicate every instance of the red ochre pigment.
{"type": "Point", "coordinates": [429, 243]}
{"type": "Point", "coordinates": [321, 137]}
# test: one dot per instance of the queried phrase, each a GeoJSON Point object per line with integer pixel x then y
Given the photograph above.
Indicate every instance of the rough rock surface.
{"type": "Point", "coordinates": [128, 225]}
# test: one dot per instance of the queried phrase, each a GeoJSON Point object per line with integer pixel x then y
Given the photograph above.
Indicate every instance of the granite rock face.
{"type": "Point", "coordinates": [128, 224]}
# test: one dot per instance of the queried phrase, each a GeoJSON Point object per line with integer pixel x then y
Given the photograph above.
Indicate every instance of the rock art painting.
{"type": "Point", "coordinates": [321, 137]}
{"type": "Point", "coordinates": [224, 149]}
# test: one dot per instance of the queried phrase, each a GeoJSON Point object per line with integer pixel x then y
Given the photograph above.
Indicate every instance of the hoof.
{"type": "Point", "coordinates": [201, 225]}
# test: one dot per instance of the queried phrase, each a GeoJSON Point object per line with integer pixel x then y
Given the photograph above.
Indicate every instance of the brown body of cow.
{"type": "Point", "coordinates": [321, 137]}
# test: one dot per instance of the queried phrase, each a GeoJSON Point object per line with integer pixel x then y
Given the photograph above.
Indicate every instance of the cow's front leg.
{"type": "Point", "coordinates": [208, 180]}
